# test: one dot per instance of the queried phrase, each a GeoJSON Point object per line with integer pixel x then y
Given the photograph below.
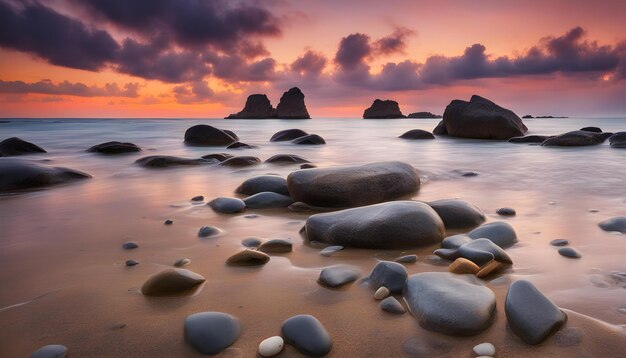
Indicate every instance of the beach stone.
{"type": "Point", "coordinates": [288, 134]}
{"type": "Point", "coordinates": [406, 259]}
{"type": "Point", "coordinates": [251, 242]}
{"type": "Point", "coordinates": [171, 282]}
{"type": "Point", "coordinates": [417, 134]}
{"type": "Point", "coordinates": [168, 222]}
{"type": "Point", "coordinates": [291, 105]}
{"type": "Point", "coordinates": [450, 304]}
{"type": "Point", "coordinates": [114, 147]}
{"type": "Point", "coordinates": [17, 146]}
{"type": "Point", "coordinates": [309, 139]}
{"type": "Point", "coordinates": [591, 129]}
{"type": "Point", "coordinates": [129, 245]}
{"type": "Point", "coordinates": [575, 139]}
{"type": "Point", "coordinates": [211, 332]}
{"type": "Point", "coordinates": [618, 140]}
{"type": "Point", "coordinates": [506, 212]}
{"type": "Point", "coordinates": [182, 262]}
{"type": "Point", "coordinates": [458, 214]}
{"type": "Point", "coordinates": [220, 157]}
{"type": "Point", "coordinates": [485, 349]}
{"type": "Point", "coordinates": [130, 263]}
{"type": "Point", "coordinates": [205, 135]}
{"type": "Point", "coordinates": [307, 334]}
{"type": "Point", "coordinates": [276, 246]}
{"type": "Point", "coordinates": [392, 305]}
{"type": "Point", "coordinates": [353, 185]}
{"type": "Point", "coordinates": [455, 241]}
{"type": "Point", "coordinates": [240, 145]}
{"type": "Point", "coordinates": [248, 258]}
{"type": "Point", "coordinates": [327, 251]}
{"type": "Point", "coordinates": [241, 161]}
{"type": "Point", "coordinates": [383, 109]}
{"type": "Point", "coordinates": [166, 161]}
{"type": "Point", "coordinates": [462, 266]}
{"type": "Point", "coordinates": [569, 252]}
{"type": "Point", "coordinates": [568, 336]}
{"type": "Point", "coordinates": [226, 205]}
{"type": "Point", "coordinates": [198, 198]}
{"type": "Point", "coordinates": [391, 225]}
{"type": "Point", "coordinates": [286, 159]}
{"type": "Point", "coordinates": [208, 231]}
{"type": "Point", "coordinates": [308, 166]}
{"type": "Point", "coordinates": [559, 242]}
{"type": "Point", "coordinates": [489, 268]}
{"type": "Point", "coordinates": [257, 106]}
{"type": "Point", "coordinates": [479, 251]}
{"type": "Point", "coordinates": [530, 314]}
{"type": "Point", "coordinates": [614, 224]}
{"type": "Point", "coordinates": [530, 139]}
{"type": "Point", "coordinates": [390, 274]}
{"type": "Point", "coordinates": [501, 233]}
{"type": "Point", "coordinates": [50, 351]}
{"type": "Point", "coordinates": [267, 200]}
{"type": "Point", "coordinates": [19, 174]}
{"type": "Point", "coordinates": [481, 119]}
{"type": "Point", "coordinates": [336, 276]}
{"type": "Point", "coordinates": [270, 347]}
{"type": "Point", "coordinates": [263, 183]}
{"type": "Point", "coordinates": [381, 293]}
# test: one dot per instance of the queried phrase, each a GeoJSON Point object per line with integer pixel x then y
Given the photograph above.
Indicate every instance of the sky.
{"type": "Point", "coordinates": [202, 58]}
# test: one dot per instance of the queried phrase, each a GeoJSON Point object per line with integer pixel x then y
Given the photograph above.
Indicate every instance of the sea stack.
{"type": "Point", "coordinates": [291, 105]}
{"type": "Point", "coordinates": [258, 106]}
{"type": "Point", "coordinates": [383, 110]}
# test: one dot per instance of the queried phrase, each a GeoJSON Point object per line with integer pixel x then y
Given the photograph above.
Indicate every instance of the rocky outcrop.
{"type": "Point", "coordinates": [205, 135]}
{"type": "Point", "coordinates": [383, 109]}
{"type": "Point", "coordinates": [423, 115]}
{"type": "Point", "coordinates": [480, 119]}
{"type": "Point", "coordinates": [16, 146]}
{"type": "Point", "coordinates": [18, 174]}
{"type": "Point", "coordinates": [576, 139]}
{"type": "Point", "coordinates": [291, 105]}
{"type": "Point", "coordinates": [258, 106]}
{"type": "Point", "coordinates": [618, 140]}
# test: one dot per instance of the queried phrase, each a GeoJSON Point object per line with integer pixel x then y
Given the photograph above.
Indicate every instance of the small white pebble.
{"type": "Point", "coordinates": [485, 349]}
{"type": "Point", "coordinates": [271, 346]}
{"type": "Point", "coordinates": [381, 293]}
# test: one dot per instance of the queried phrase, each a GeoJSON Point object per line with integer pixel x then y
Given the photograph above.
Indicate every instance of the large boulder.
{"type": "Point", "coordinates": [383, 109]}
{"type": "Point", "coordinates": [391, 225]}
{"type": "Point", "coordinates": [206, 135]}
{"type": "Point", "coordinates": [480, 119]}
{"type": "Point", "coordinates": [450, 304]}
{"type": "Point", "coordinates": [576, 139]}
{"type": "Point", "coordinates": [291, 105]}
{"type": "Point", "coordinates": [258, 106]}
{"type": "Point", "coordinates": [16, 146]}
{"type": "Point", "coordinates": [353, 185]}
{"type": "Point", "coordinates": [309, 139]}
{"type": "Point", "coordinates": [288, 134]}
{"type": "Point", "coordinates": [114, 147]}
{"type": "Point", "coordinates": [618, 140]}
{"type": "Point", "coordinates": [17, 175]}
{"type": "Point", "coordinates": [458, 214]}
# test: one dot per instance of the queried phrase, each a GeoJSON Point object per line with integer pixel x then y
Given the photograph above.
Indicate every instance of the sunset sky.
{"type": "Point", "coordinates": [194, 58]}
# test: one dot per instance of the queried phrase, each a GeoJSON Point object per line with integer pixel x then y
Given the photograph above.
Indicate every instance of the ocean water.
{"type": "Point", "coordinates": [63, 278]}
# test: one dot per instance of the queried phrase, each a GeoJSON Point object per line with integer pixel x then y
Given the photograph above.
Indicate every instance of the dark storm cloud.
{"type": "Point", "coordinates": [353, 50]}
{"type": "Point", "coordinates": [195, 92]}
{"type": "Point", "coordinates": [238, 69]}
{"type": "Point", "coordinates": [70, 89]}
{"type": "Point", "coordinates": [309, 64]}
{"type": "Point", "coordinates": [63, 41]}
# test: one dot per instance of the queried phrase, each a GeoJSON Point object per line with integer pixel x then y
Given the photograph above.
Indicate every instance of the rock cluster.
{"type": "Point", "coordinates": [258, 106]}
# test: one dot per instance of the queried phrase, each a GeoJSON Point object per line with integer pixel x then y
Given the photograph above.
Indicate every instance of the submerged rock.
{"type": "Point", "coordinates": [18, 174]}
{"type": "Point", "coordinates": [276, 246]}
{"type": "Point", "coordinates": [263, 183]}
{"type": "Point", "coordinates": [353, 185]}
{"type": "Point", "coordinates": [383, 109]}
{"type": "Point", "coordinates": [114, 147]}
{"type": "Point", "coordinates": [220, 157]}
{"type": "Point", "coordinates": [458, 214]}
{"type": "Point", "coordinates": [257, 106]}
{"type": "Point", "coordinates": [288, 134]}
{"type": "Point", "coordinates": [241, 161]}
{"type": "Point", "coordinates": [165, 161]}
{"type": "Point", "coordinates": [227, 205]}
{"type": "Point", "coordinates": [248, 258]}
{"type": "Point", "coordinates": [338, 275]}
{"type": "Point", "coordinates": [479, 251]}
{"type": "Point", "coordinates": [50, 351]}
{"type": "Point", "coordinates": [171, 282]}
{"type": "Point", "coordinates": [530, 314]}
{"type": "Point", "coordinates": [17, 146]}
{"type": "Point", "coordinates": [501, 233]}
{"type": "Point", "coordinates": [286, 159]}
{"type": "Point", "coordinates": [309, 139]}
{"type": "Point", "coordinates": [307, 334]}
{"type": "Point", "coordinates": [391, 225]}
{"type": "Point", "coordinates": [417, 134]}
{"type": "Point", "coordinates": [618, 140]}
{"type": "Point", "coordinates": [614, 224]}
{"type": "Point", "coordinates": [388, 274]}
{"type": "Point", "coordinates": [530, 139]}
{"type": "Point", "coordinates": [575, 139]}
{"type": "Point", "coordinates": [267, 200]}
{"type": "Point", "coordinates": [240, 145]}
{"type": "Point", "coordinates": [205, 135]}
{"type": "Point", "coordinates": [291, 105]}
{"type": "Point", "coordinates": [211, 332]}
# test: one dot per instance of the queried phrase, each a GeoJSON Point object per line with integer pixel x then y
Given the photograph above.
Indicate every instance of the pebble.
{"type": "Point", "coordinates": [171, 282]}
{"type": "Point", "coordinates": [251, 242]}
{"type": "Point", "coordinates": [276, 246]}
{"type": "Point", "coordinates": [506, 212]}
{"type": "Point", "coordinates": [307, 334]}
{"type": "Point", "coordinates": [485, 349]}
{"type": "Point", "coordinates": [406, 259]}
{"type": "Point", "coordinates": [168, 222]}
{"type": "Point", "coordinates": [381, 293]}
{"type": "Point", "coordinates": [330, 250]}
{"type": "Point", "coordinates": [569, 252]}
{"type": "Point", "coordinates": [271, 346]}
{"type": "Point", "coordinates": [392, 305]}
{"type": "Point", "coordinates": [463, 266]}
{"type": "Point", "coordinates": [390, 274]}
{"type": "Point", "coordinates": [129, 245]}
{"type": "Point", "coordinates": [211, 332]}
{"type": "Point", "coordinates": [559, 242]}
{"type": "Point", "coordinates": [248, 258]}
{"type": "Point", "coordinates": [208, 231]}
{"type": "Point", "coordinates": [50, 351]}
{"type": "Point", "coordinates": [198, 198]}
{"type": "Point", "coordinates": [226, 205]}
{"type": "Point", "coordinates": [131, 262]}
{"type": "Point", "coordinates": [489, 268]}
{"type": "Point", "coordinates": [182, 262]}
{"type": "Point", "coordinates": [338, 275]}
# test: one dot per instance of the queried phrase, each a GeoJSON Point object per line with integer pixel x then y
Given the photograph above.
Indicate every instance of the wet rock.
{"type": "Point", "coordinates": [251, 242]}
{"type": "Point", "coordinates": [353, 185]}
{"type": "Point", "coordinates": [129, 245]}
{"type": "Point", "coordinates": [417, 134]}
{"type": "Point", "coordinates": [406, 259]}
{"type": "Point", "coordinates": [338, 275]}
{"type": "Point", "coordinates": [455, 241]}
{"type": "Point", "coordinates": [50, 351]}
{"type": "Point", "coordinates": [301, 207]}
{"type": "Point", "coordinates": [310, 139]}
{"type": "Point", "coordinates": [114, 147]}
{"type": "Point", "coordinates": [18, 174]}
{"type": "Point", "coordinates": [426, 115]}
{"type": "Point", "coordinates": [568, 336]}
{"type": "Point", "coordinates": [291, 105]}
{"type": "Point", "coordinates": [240, 145]}
{"type": "Point", "coordinates": [165, 161]}
{"type": "Point", "coordinates": [288, 134]}
{"type": "Point", "coordinates": [383, 109]}
{"type": "Point", "coordinates": [485, 349]}
{"type": "Point", "coordinates": [481, 119]}
{"type": "Point", "coordinates": [489, 268]}
{"type": "Point", "coordinates": [16, 146]}
{"type": "Point", "coordinates": [559, 242]}
{"type": "Point", "coordinates": [276, 246]}
{"type": "Point", "coordinates": [220, 157]}
{"type": "Point", "coordinates": [463, 266]}
{"type": "Point", "coordinates": [392, 305]}
{"type": "Point", "coordinates": [248, 258]}
{"type": "Point", "coordinates": [208, 231]}
{"type": "Point", "coordinates": [506, 212]}
{"type": "Point", "coordinates": [591, 129]}
{"type": "Point", "coordinates": [391, 225]}
{"type": "Point", "coordinates": [182, 262]}
{"type": "Point", "coordinates": [501, 233]}
{"type": "Point", "coordinates": [205, 135]}
{"type": "Point", "coordinates": [171, 282]}
{"type": "Point", "coordinates": [130, 263]}
{"type": "Point", "coordinates": [263, 183]}
{"type": "Point", "coordinates": [308, 166]}
{"type": "Point", "coordinates": [307, 334]}
{"type": "Point", "coordinates": [198, 198]}
{"type": "Point", "coordinates": [270, 347]}
{"type": "Point", "coordinates": [569, 252]}
{"type": "Point", "coordinates": [241, 161]}
{"type": "Point", "coordinates": [450, 304]}
{"type": "Point", "coordinates": [618, 140]}
{"type": "Point", "coordinates": [530, 139]}
{"type": "Point", "coordinates": [530, 314]}
{"type": "Point", "coordinates": [211, 332]}
{"type": "Point", "coordinates": [328, 251]}
{"type": "Point", "coordinates": [440, 129]}
{"type": "Point", "coordinates": [286, 159]}
{"type": "Point", "coordinates": [227, 205]}
{"type": "Point", "coordinates": [575, 139]}
{"type": "Point", "coordinates": [168, 222]}
{"type": "Point", "coordinates": [479, 251]}
{"type": "Point", "coordinates": [257, 106]}
{"type": "Point", "coordinates": [458, 214]}
{"type": "Point", "coordinates": [267, 200]}
{"type": "Point", "coordinates": [614, 224]}
{"type": "Point", "coordinates": [389, 274]}
{"type": "Point", "coordinates": [381, 293]}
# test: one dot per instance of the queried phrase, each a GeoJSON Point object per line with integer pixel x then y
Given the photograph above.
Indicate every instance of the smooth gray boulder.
{"type": "Point", "coordinates": [241, 161]}
{"type": "Point", "coordinates": [389, 274]}
{"type": "Point", "coordinates": [206, 135]}
{"type": "Point", "coordinates": [286, 159]}
{"type": "Point", "coordinates": [288, 134]}
{"type": "Point", "coordinates": [417, 134]}
{"type": "Point", "coordinates": [225, 205]}
{"type": "Point", "coordinates": [576, 139]}
{"type": "Point", "coordinates": [570, 252]}
{"type": "Point", "coordinates": [480, 118]}
{"type": "Point", "coordinates": [382, 110]}
{"type": "Point", "coordinates": [479, 251]}
{"type": "Point", "coordinates": [392, 305]}
{"type": "Point", "coordinates": [17, 146]}
{"type": "Point", "coordinates": [455, 241]}
{"type": "Point", "coordinates": [267, 200]}
{"type": "Point", "coordinates": [530, 314]}
{"type": "Point", "coordinates": [353, 185]}
{"type": "Point", "coordinates": [307, 334]}
{"type": "Point", "coordinates": [262, 183]}
{"type": "Point", "coordinates": [450, 304]}
{"type": "Point", "coordinates": [618, 140]}
{"type": "Point", "coordinates": [166, 161]}
{"type": "Point", "coordinates": [291, 105]}
{"type": "Point", "coordinates": [617, 223]}
{"type": "Point", "coordinates": [391, 225]}
{"type": "Point", "coordinates": [257, 106]}
{"type": "Point", "coordinates": [50, 351]}
{"type": "Point", "coordinates": [211, 332]}
{"type": "Point", "coordinates": [501, 233]}
{"type": "Point", "coordinates": [171, 282]}
{"type": "Point", "coordinates": [18, 174]}
{"type": "Point", "coordinates": [457, 214]}
{"type": "Point", "coordinates": [338, 275]}
{"type": "Point", "coordinates": [114, 147]}
{"type": "Point", "coordinates": [309, 139]}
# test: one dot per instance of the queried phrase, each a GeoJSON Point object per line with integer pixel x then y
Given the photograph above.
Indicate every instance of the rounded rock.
{"type": "Point", "coordinates": [206, 135]}
{"type": "Point", "coordinates": [168, 222]}
{"type": "Point", "coordinates": [338, 275]}
{"type": "Point", "coordinates": [211, 332]}
{"type": "Point", "coordinates": [406, 259]}
{"type": "Point", "coordinates": [614, 224]}
{"type": "Point", "coordinates": [276, 246]}
{"type": "Point", "coordinates": [288, 134]}
{"type": "Point", "coordinates": [457, 214]}
{"type": "Point", "coordinates": [171, 282]}
{"type": "Point", "coordinates": [417, 134]}
{"type": "Point", "coordinates": [130, 263]}
{"type": "Point", "coordinates": [381, 293]}
{"type": "Point", "coordinates": [506, 211]}
{"type": "Point", "coordinates": [307, 334]}
{"type": "Point", "coordinates": [226, 205]}
{"type": "Point", "coordinates": [251, 242]}
{"type": "Point", "coordinates": [182, 262]}
{"type": "Point", "coordinates": [569, 252]}
{"type": "Point", "coordinates": [310, 139]}
{"type": "Point", "coordinates": [389, 274]}
{"type": "Point", "coordinates": [286, 159]}
{"type": "Point", "coordinates": [241, 161]}
{"type": "Point", "coordinates": [129, 245]}
{"type": "Point", "coordinates": [462, 266]}
{"type": "Point", "coordinates": [392, 305]}
{"type": "Point", "coordinates": [50, 351]}
{"type": "Point", "coordinates": [559, 242]}
{"type": "Point", "coordinates": [248, 258]}
{"type": "Point", "coordinates": [485, 349]}
{"type": "Point", "coordinates": [501, 233]}
{"type": "Point", "coordinates": [263, 183]}
{"type": "Point", "coordinates": [270, 347]}
{"type": "Point", "coordinates": [208, 231]}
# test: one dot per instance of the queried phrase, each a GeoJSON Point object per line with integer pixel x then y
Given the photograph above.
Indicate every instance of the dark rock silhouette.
{"type": "Point", "coordinates": [528, 116]}
{"type": "Point", "coordinates": [423, 115]}
{"type": "Point", "coordinates": [291, 105]}
{"type": "Point", "coordinates": [383, 109]}
{"type": "Point", "coordinates": [114, 147]}
{"type": "Point", "coordinates": [311, 139]}
{"type": "Point", "coordinates": [258, 106]}
{"type": "Point", "coordinates": [530, 139]}
{"type": "Point", "coordinates": [16, 146]}
{"type": "Point", "coordinates": [18, 174]}
{"type": "Point", "coordinates": [288, 134]}
{"type": "Point", "coordinates": [591, 129]}
{"type": "Point", "coordinates": [576, 139]}
{"type": "Point", "coordinates": [618, 140]}
{"type": "Point", "coordinates": [165, 161]}
{"type": "Point", "coordinates": [203, 134]}
{"type": "Point", "coordinates": [417, 134]}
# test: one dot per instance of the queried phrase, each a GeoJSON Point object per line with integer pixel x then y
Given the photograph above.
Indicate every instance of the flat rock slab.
{"type": "Point", "coordinates": [391, 225]}
{"type": "Point", "coordinates": [114, 147]}
{"type": "Point", "coordinates": [353, 185]}
{"type": "Point", "coordinates": [614, 224]}
{"type": "Point", "coordinates": [211, 332]}
{"type": "Point", "coordinates": [530, 314]}
{"type": "Point", "coordinates": [338, 275]}
{"type": "Point", "coordinates": [19, 175]}
{"type": "Point", "coordinates": [171, 282]}
{"type": "Point", "coordinates": [226, 205]}
{"type": "Point", "coordinates": [50, 351]}
{"type": "Point", "coordinates": [17, 146]}
{"type": "Point", "coordinates": [450, 304]}
{"type": "Point", "coordinates": [307, 334]}
{"type": "Point", "coordinates": [501, 233]}
{"type": "Point", "coordinates": [268, 200]}
{"type": "Point", "coordinates": [458, 214]}
{"type": "Point", "coordinates": [389, 274]}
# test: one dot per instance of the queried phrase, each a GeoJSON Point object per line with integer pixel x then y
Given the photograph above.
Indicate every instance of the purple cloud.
{"type": "Point", "coordinates": [70, 89]}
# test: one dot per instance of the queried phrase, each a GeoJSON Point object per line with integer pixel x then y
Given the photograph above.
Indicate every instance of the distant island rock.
{"type": "Point", "coordinates": [423, 115]}
{"type": "Point", "coordinates": [529, 116]}
{"type": "Point", "coordinates": [383, 110]}
{"type": "Point", "coordinates": [258, 106]}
